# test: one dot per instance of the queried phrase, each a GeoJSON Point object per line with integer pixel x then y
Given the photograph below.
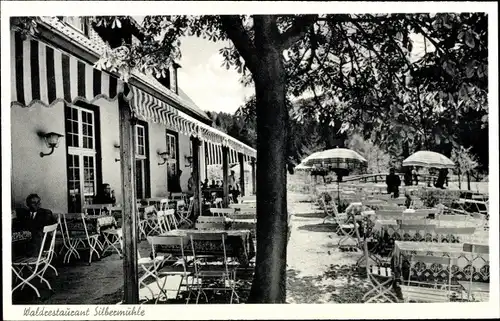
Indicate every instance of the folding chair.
{"type": "Point", "coordinates": [179, 268]}
{"type": "Point", "coordinates": [163, 205]}
{"type": "Point", "coordinates": [150, 267]}
{"type": "Point", "coordinates": [218, 202]}
{"type": "Point", "coordinates": [80, 239]}
{"type": "Point", "coordinates": [211, 275]}
{"type": "Point", "coordinates": [151, 220]}
{"type": "Point", "coordinates": [185, 213]}
{"type": "Point", "coordinates": [222, 212]}
{"type": "Point", "coordinates": [451, 234]}
{"type": "Point", "coordinates": [421, 291]}
{"type": "Point", "coordinates": [417, 231]}
{"type": "Point", "coordinates": [36, 266]}
{"type": "Point", "coordinates": [476, 291]}
{"type": "Point", "coordinates": [166, 220]}
{"type": "Point", "coordinates": [381, 277]}
{"type": "Point", "coordinates": [113, 240]}
{"type": "Point", "coordinates": [331, 212]}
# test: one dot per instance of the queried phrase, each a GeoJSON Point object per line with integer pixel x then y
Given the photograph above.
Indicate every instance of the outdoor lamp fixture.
{"type": "Point", "coordinates": [163, 156]}
{"type": "Point", "coordinates": [189, 160]}
{"type": "Point", "coordinates": [52, 141]}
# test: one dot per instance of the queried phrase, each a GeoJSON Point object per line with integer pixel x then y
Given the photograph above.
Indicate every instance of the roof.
{"type": "Point", "coordinates": [95, 45]}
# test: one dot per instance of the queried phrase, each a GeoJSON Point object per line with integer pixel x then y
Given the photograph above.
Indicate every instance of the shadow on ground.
{"type": "Point", "coordinates": [327, 227]}
{"type": "Point", "coordinates": [339, 284]}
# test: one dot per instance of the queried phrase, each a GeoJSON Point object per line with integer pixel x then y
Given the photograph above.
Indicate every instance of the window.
{"type": "Point", "coordinates": [141, 162]}
{"type": "Point", "coordinates": [140, 141]}
{"type": "Point", "coordinates": [172, 165]}
{"type": "Point", "coordinates": [78, 23]}
{"type": "Point", "coordinates": [82, 178]}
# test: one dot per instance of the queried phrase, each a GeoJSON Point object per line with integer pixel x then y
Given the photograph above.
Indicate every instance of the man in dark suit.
{"type": "Point", "coordinates": [34, 219]}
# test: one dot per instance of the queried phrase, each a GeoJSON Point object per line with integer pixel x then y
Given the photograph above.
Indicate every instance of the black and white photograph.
{"type": "Point", "coordinates": [163, 154]}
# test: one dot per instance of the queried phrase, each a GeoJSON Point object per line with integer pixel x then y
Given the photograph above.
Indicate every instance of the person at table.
{"type": "Point", "coordinates": [33, 219]}
{"type": "Point", "coordinates": [442, 175]}
{"type": "Point", "coordinates": [105, 195]}
{"type": "Point", "coordinates": [393, 182]}
{"type": "Point", "coordinates": [205, 184]}
{"type": "Point", "coordinates": [213, 185]}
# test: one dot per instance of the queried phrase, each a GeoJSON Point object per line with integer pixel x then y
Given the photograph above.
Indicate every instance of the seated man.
{"type": "Point", "coordinates": [105, 195]}
{"type": "Point", "coordinates": [34, 219]}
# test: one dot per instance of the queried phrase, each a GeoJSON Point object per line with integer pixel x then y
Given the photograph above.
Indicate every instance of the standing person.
{"type": "Point", "coordinates": [34, 218]}
{"type": "Point", "coordinates": [442, 175]}
{"type": "Point", "coordinates": [191, 185]}
{"type": "Point", "coordinates": [233, 188]}
{"type": "Point", "coordinates": [393, 182]}
{"type": "Point", "coordinates": [105, 195]}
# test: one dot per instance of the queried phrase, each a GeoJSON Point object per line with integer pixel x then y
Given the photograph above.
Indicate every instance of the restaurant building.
{"type": "Point", "coordinates": [65, 120]}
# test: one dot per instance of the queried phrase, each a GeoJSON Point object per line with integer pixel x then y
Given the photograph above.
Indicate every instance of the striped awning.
{"type": "Point", "coordinates": [45, 75]}
{"type": "Point", "coordinates": [214, 155]}
{"type": "Point", "coordinates": [150, 108]}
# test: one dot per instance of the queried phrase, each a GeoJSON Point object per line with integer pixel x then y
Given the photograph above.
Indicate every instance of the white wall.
{"type": "Point", "coordinates": [110, 135]}
{"type": "Point", "coordinates": [31, 173]}
{"type": "Point", "coordinates": [184, 143]}
{"type": "Point", "coordinates": [157, 143]}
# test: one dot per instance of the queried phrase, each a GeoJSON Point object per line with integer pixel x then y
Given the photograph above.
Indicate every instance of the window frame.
{"type": "Point", "coordinates": [83, 22]}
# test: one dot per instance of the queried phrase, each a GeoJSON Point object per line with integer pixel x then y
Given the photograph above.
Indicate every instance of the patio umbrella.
{"type": "Point", "coordinates": [302, 167]}
{"type": "Point", "coordinates": [428, 159]}
{"type": "Point", "coordinates": [337, 160]}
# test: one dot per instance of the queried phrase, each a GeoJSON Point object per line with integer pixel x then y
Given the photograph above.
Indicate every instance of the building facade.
{"type": "Point", "coordinates": [57, 89]}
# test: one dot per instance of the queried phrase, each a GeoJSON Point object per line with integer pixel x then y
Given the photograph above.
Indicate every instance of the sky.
{"type": "Point", "coordinates": [203, 78]}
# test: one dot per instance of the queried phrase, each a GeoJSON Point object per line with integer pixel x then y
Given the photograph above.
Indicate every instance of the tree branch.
{"type": "Point", "coordinates": [233, 27]}
{"type": "Point", "coordinates": [299, 28]}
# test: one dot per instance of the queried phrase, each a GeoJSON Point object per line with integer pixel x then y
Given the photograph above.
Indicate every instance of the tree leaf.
{"type": "Point", "coordinates": [469, 39]}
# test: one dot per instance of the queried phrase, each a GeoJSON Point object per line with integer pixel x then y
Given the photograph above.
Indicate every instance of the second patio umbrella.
{"type": "Point", "coordinates": [426, 158]}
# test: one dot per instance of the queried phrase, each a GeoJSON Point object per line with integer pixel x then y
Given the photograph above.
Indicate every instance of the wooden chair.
{"type": "Point", "coordinates": [419, 291]}
{"type": "Point", "coordinates": [36, 266]}
{"type": "Point", "coordinates": [210, 275]}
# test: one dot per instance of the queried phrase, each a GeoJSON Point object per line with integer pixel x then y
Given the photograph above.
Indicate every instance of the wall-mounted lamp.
{"type": "Point", "coordinates": [189, 160]}
{"type": "Point", "coordinates": [52, 141]}
{"type": "Point", "coordinates": [164, 156]}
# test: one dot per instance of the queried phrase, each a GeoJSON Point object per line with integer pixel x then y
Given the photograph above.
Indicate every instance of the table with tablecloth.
{"type": "Point", "coordinates": [390, 230]}
{"type": "Point", "coordinates": [239, 244]}
{"type": "Point", "coordinates": [403, 250]}
{"type": "Point", "coordinates": [95, 224]}
{"type": "Point", "coordinates": [20, 240]}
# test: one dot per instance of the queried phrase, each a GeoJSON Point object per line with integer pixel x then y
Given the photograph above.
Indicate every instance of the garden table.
{"type": "Point", "coordinates": [239, 244]}
{"type": "Point", "coordinates": [403, 250]}
{"type": "Point", "coordinates": [95, 224]}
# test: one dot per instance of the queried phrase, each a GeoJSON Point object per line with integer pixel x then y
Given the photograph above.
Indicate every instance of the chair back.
{"type": "Point", "coordinates": [429, 262]}
{"type": "Point", "coordinates": [170, 240]}
{"type": "Point", "coordinates": [222, 211]}
{"type": "Point", "coordinates": [166, 220]}
{"type": "Point", "coordinates": [96, 209]}
{"type": "Point", "coordinates": [49, 237]}
{"type": "Point", "coordinates": [151, 209]}
{"type": "Point", "coordinates": [163, 205]}
{"type": "Point", "coordinates": [212, 237]}
{"type": "Point", "coordinates": [218, 202]}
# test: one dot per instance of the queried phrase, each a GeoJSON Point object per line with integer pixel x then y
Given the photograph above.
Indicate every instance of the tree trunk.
{"type": "Point", "coordinates": [468, 180]}
{"type": "Point", "coordinates": [406, 170]}
{"type": "Point", "coordinates": [269, 282]}
{"type": "Point", "coordinates": [459, 179]}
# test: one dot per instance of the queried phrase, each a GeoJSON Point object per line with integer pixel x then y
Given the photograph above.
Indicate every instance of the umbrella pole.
{"type": "Point", "coordinates": [338, 194]}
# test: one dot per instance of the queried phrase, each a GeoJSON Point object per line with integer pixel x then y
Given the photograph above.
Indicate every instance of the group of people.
{"type": "Point", "coordinates": [393, 181]}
